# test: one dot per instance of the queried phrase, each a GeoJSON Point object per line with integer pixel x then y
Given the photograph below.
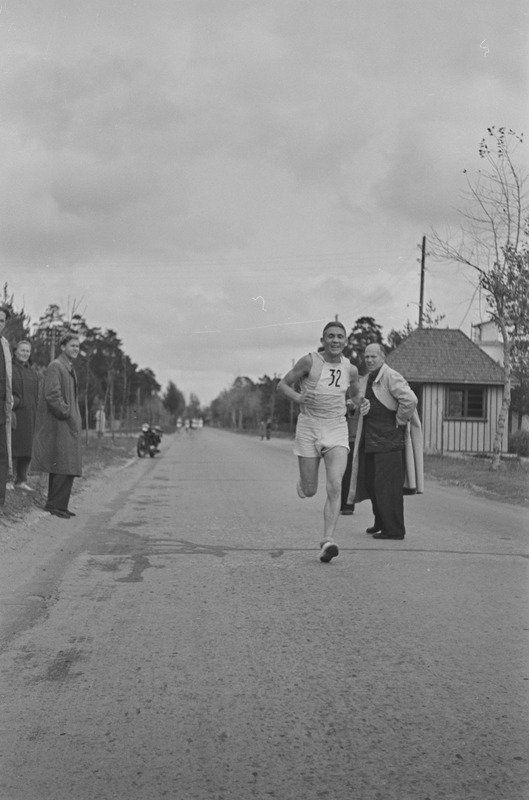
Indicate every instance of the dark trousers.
{"type": "Point", "coordinates": [4, 464]}
{"type": "Point", "coordinates": [20, 468]}
{"type": "Point", "coordinates": [59, 490]}
{"type": "Point", "coordinates": [384, 478]}
{"type": "Point", "coordinates": [346, 480]}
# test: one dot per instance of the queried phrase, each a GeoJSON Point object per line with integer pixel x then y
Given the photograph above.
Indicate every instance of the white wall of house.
{"type": "Point", "coordinates": [488, 337]}
{"type": "Point", "coordinates": [443, 435]}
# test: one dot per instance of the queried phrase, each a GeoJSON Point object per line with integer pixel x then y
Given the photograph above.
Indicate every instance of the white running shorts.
{"type": "Point", "coordinates": [314, 436]}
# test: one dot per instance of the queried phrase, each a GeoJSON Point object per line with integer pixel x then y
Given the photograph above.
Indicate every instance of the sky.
{"type": "Point", "coordinates": [216, 179]}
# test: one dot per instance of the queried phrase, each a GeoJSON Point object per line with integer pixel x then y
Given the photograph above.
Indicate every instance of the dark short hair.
{"type": "Point", "coordinates": [334, 324]}
{"type": "Point", "coordinates": [6, 311]}
{"type": "Point", "coordinates": [22, 341]}
{"type": "Point", "coordinates": [67, 337]}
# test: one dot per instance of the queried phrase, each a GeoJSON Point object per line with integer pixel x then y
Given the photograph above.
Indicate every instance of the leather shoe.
{"type": "Point", "coordinates": [70, 513]}
{"type": "Point", "coordinates": [383, 535]}
{"type": "Point", "coordinates": [56, 512]}
{"type": "Point", "coordinates": [373, 529]}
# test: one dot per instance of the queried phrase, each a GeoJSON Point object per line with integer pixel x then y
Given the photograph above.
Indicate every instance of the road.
{"type": "Point", "coordinates": [180, 639]}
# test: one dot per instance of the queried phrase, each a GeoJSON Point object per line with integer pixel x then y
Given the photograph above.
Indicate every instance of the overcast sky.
{"type": "Point", "coordinates": [214, 179]}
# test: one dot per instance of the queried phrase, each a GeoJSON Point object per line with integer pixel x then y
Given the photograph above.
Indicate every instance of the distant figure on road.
{"type": "Point", "coordinates": [57, 442]}
{"type": "Point", "coordinates": [6, 405]}
{"type": "Point", "coordinates": [25, 399]}
{"type": "Point", "coordinates": [101, 421]}
{"type": "Point", "coordinates": [268, 428]}
{"type": "Point", "coordinates": [387, 460]}
{"type": "Point", "coordinates": [321, 430]}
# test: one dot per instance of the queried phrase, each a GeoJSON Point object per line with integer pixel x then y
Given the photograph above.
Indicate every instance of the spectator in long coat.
{"type": "Point", "coordinates": [387, 460]}
{"type": "Point", "coordinates": [57, 441]}
{"type": "Point", "coordinates": [25, 398]}
{"type": "Point", "coordinates": [6, 404]}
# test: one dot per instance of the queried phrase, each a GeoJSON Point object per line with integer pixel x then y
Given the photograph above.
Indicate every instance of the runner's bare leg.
{"type": "Point", "coordinates": [335, 463]}
{"type": "Point", "coordinates": [308, 474]}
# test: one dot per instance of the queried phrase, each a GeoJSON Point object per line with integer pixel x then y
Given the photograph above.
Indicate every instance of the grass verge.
{"type": "Point", "coordinates": [509, 484]}
{"type": "Point", "coordinates": [97, 454]}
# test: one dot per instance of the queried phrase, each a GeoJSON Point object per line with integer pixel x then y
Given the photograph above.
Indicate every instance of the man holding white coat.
{"type": "Point", "coordinates": [387, 461]}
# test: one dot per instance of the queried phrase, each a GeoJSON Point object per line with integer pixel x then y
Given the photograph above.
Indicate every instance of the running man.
{"type": "Point", "coordinates": [321, 430]}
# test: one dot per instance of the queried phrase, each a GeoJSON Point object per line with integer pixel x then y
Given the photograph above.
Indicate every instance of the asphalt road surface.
{"type": "Point", "coordinates": [180, 639]}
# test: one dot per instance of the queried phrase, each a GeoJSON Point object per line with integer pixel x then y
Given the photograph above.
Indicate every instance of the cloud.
{"type": "Point", "coordinates": [169, 163]}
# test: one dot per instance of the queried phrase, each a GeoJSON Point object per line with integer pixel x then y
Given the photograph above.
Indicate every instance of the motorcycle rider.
{"type": "Point", "coordinates": [153, 435]}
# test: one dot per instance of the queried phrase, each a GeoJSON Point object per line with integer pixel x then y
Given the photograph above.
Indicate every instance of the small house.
{"type": "Point", "coordinates": [459, 387]}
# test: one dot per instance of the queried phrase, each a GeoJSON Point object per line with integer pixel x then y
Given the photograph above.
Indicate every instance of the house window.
{"type": "Point", "coordinates": [466, 402]}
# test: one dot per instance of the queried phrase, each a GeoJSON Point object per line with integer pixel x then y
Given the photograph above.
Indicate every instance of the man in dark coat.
{"type": "Point", "coordinates": [6, 404]}
{"type": "Point", "coordinates": [57, 441]}
{"type": "Point", "coordinates": [380, 471]}
{"type": "Point", "coordinates": [25, 398]}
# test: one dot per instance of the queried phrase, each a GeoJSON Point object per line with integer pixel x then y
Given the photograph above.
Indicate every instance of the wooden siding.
{"type": "Point", "coordinates": [432, 417]}
{"type": "Point", "coordinates": [459, 435]}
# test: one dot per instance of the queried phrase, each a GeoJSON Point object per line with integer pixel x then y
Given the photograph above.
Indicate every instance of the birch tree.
{"type": "Point", "coordinates": [492, 241]}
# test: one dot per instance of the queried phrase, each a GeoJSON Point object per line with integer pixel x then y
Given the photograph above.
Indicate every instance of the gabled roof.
{"type": "Point", "coordinates": [435, 355]}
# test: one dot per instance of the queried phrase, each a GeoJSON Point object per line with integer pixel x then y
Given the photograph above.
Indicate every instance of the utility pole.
{"type": "Point", "coordinates": [423, 268]}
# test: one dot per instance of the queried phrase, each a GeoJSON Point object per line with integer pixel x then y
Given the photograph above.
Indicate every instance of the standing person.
{"type": "Point", "coordinates": [321, 431]}
{"type": "Point", "coordinates": [268, 428]}
{"type": "Point", "coordinates": [57, 441]}
{"type": "Point", "coordinates": [383, 462]}
{"type": "Point", "coordinates": [6, 405]}
{"type": "Point", "coordinates": [25, 399]}
{"type": "Point", "coordinates": [101, 421]}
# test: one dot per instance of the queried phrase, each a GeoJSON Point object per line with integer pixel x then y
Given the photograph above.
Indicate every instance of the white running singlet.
{"type": "Point", "coordinates": [330, 382]}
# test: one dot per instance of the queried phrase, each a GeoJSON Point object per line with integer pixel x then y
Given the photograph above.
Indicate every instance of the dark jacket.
{"type": "Point", "coordinates": [25, 399]}
{"type": "Point", "coordinates": [57, 439]}
{"type": "Point", "coordinates": [380, 429]}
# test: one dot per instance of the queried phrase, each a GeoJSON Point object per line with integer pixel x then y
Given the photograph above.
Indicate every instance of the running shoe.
{"type": "Point", "coordinates": [328, 551]}
{"type": "Point", "coordinates": [26, 487]}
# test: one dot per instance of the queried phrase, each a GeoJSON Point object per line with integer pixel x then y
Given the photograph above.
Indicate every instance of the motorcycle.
{"type": "Point", "coordinates": [149, 440]}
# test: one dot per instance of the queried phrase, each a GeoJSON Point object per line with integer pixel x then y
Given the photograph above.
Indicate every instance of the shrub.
{"type": "Point", "coordinates": [519, 443]}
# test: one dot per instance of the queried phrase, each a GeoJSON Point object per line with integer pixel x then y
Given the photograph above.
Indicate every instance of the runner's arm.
{"type": "Point", "coordinates": [355, 392]}
{"type": "Point", "coordinates": [293, 378]}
